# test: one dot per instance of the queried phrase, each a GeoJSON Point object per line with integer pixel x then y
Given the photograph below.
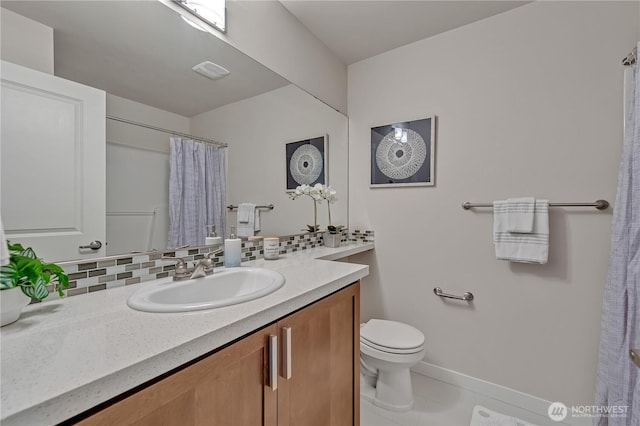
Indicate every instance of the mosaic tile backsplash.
{"type": "Point", "coordinates": [117, 271]}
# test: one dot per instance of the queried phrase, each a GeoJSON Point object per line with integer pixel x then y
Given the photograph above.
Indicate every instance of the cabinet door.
{"type": "Point", "coordinates": [323, 387]}
{"type": "Point", "coordinates": [227, 388]}
{"type": "Point", "coordinates": [52, 163]}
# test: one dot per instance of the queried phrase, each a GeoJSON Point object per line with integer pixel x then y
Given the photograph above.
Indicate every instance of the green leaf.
{"type": "Point", "coordinates": [31, 273]}
{"type": "Point", "coordinates": [9, 276]}
{"type": "Point", "coordinates": [15, 248]}
{"type": "Point", "coordinates": [35, 291]}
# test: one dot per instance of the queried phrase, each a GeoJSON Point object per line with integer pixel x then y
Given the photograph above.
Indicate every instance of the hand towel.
{"type": "Point", "coordinates": [4, 250]}
{"type": "Point", "coordinates": [246, 220]}
{"type": "Point", "coordinates": [520, 214]}
{"type": "Point", "coordinates": [522, 247]}
{"type": "Point", "coordinates": [245, 211]}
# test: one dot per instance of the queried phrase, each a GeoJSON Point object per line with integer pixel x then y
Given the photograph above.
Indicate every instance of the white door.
{"type": "Point", "coordinates": [52, 163]}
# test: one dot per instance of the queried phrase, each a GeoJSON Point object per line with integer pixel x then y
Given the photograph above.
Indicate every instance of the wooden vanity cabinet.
{"type": "Point", "coordinates": [226, 388]}
{"type": "Point", "coordinates": [324, 385]}
{"type": "Point", "coordinates": [318, 359]}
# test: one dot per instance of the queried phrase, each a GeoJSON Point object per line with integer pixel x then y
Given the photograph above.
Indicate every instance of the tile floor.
{"type": "Point", "coordinates": [441, 404]}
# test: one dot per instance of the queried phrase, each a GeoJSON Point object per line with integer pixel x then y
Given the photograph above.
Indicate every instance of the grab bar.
{"type": "Point", "coordinates": [467, 297]}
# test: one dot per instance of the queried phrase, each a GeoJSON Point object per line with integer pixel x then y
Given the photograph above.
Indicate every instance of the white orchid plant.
{"type": "Point", "coordinates": [318, 193]}
{"type": "Point", "coordinates": [330, 195]}
{"type": "Point", "coordinates": [313, 192]}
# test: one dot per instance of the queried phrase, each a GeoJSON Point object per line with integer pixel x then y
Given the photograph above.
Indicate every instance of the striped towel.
{"type": "Point", "coordinates": [530, 247]}
{"type": "Point", "coordinates": [248, 220]}
{"type": "Point", "coordinates": [520, 214]}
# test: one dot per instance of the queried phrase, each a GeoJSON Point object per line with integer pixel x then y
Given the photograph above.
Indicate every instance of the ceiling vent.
{"type": "Point", "coordinates": [211, 70]}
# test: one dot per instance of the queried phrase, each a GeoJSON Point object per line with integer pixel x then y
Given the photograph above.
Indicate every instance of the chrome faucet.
{"type": "Point", "coordinates": [205, 266]}
{"type": "Point", "coordinates": [201, 269]}
{"type": "Point", "coordinates": [181, 271]}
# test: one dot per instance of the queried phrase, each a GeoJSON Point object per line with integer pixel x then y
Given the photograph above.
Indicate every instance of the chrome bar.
{"type": "Point", "coordinates": [468, 297]}
{"type": "Point", "coordinates": [170, 132]}
{"type": "Point", "coordinates": [598, 204]}
{"type": "Point", "coordinates": [286, 352]}
{"type": "Point", "coordinates": [273, 362]}
{"type": "Point", "coordinates": [268, 207]}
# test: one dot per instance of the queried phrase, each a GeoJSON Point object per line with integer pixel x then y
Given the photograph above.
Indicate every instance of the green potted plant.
{"type": "Point", "coordinates": [26, 277]}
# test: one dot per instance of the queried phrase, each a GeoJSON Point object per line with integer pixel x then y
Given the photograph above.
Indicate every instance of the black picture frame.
{"type": "Point", "coordinates": [306, 162]}
{"type": "Point", "coordinates": [402, 154]}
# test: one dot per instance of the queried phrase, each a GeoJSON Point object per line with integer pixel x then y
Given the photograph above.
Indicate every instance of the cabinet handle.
{"type": "Point", "coordinates": [286, 352]}
{"type": "Point", "coordinates": [273, 362]}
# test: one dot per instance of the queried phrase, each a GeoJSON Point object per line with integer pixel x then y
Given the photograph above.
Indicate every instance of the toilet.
{"type": "Point", "coordinates": [388, 349]}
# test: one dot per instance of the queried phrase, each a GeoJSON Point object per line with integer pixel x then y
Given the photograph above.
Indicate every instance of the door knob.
{"type": "Point", "coordinates": [93, 245]}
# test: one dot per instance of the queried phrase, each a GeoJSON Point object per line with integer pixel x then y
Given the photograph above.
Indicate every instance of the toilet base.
{"type": "Point", "coordinates": [392, 391]}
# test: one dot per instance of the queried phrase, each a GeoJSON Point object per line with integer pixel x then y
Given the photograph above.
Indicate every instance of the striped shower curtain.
{"type": "Point", "coordinates": [197, 191]}
{"type": "Point", "coordinates": [617, 385]}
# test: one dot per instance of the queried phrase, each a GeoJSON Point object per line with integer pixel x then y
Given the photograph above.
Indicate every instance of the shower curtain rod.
{"type": "Point", "coordinates": [631, 58]}
{"type": "Point", "coordinates": [171, 132]}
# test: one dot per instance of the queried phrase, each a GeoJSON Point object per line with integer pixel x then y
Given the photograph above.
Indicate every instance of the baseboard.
{"type": "Point", "coordinates": [501, 393]}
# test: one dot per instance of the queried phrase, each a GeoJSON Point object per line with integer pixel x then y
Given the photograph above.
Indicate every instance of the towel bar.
{"type": "Point", "coordinates": [468, 297]}
{"type": "Point", "coordinates": [269, 207]}
{"type": "Point", "coordinates": [598, 204]}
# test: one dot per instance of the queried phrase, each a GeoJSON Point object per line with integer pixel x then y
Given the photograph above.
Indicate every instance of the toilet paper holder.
{"type": "Point", "coordinates": [467, 297]}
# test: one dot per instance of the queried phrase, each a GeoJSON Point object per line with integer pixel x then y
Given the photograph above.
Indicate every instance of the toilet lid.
{"type": "Point", "coordinates": [391, 335]}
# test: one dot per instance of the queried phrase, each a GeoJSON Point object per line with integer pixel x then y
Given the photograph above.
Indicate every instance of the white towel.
{"type": "Point", "coordinates": [4, 250]}
{"type": "Point", "coordinates": [520, 214]}
{"type": "Point", "coordinates": [245, 212]}
{"type": "Point", "coordinates": [520, 247]}
{"type": "Point", "coordinates": [248, 220]}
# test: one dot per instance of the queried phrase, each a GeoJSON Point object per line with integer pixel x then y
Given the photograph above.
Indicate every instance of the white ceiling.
{"type": "Point", "coordinates": [143, 51]}
{"type": "Point", "coordinates": [358, 29]}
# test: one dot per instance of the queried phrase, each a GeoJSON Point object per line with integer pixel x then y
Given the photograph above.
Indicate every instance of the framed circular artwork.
{"type": "Point", "coordinates": [306, 162]}
{"type": "Point", "coordinates": [402, 154]}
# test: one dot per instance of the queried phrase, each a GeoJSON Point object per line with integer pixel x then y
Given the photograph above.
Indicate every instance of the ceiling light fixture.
{"type": "Point", "coordinates": [211, 70]}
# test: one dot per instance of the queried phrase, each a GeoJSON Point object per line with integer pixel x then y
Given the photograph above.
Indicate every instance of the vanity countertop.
{"type": "Point", "coordinates": [65, 356]}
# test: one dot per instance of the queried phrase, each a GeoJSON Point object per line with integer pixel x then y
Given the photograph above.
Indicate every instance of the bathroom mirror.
{"type": "Point", "coordinates": [141, 53]}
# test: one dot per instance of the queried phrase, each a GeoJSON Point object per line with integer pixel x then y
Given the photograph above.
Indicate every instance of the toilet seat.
{"type": "Point", "coordinates": [391, 337]}
{"type": "Point", "coordinates": [390, 350]}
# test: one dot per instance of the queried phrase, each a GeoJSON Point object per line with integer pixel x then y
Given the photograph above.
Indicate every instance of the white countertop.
{"type": "Point", "coordinates": [66, 356]}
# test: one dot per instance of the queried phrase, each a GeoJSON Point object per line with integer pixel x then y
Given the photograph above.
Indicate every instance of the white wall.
{"type": "Point", "coordinates": [529, 103]}
{"type": "Point", "coordinates": [266, 31]}
{"type": "Point", "coordinates": [138, 175]}
{"type": "Point", "coordinates": [26, 42]}
{"type": "Point", "coordinates": [256, 130]}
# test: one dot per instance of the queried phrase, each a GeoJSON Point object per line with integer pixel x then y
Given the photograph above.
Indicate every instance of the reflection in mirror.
{"type": "Point", "coordinates": [141, 54]}
{"type": "Point", "coordinates": [211, 11]}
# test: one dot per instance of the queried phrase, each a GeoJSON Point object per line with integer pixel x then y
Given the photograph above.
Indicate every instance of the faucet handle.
{"type": "Point", "coordinates": [213, 253]}
{"type": "Point", "coordinates": [181, 271]}
{"type": "Point", "coordinates": [207, 262]}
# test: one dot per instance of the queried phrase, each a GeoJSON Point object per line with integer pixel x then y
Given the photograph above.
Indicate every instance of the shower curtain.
{"type": "Point", "coordinates": [617, 382]}
{"type": "Point", "coordinates": [197, 191]}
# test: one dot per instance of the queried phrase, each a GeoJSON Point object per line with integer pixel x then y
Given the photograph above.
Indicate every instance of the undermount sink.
{"type": "Point", "coordinates": [223, 288]}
